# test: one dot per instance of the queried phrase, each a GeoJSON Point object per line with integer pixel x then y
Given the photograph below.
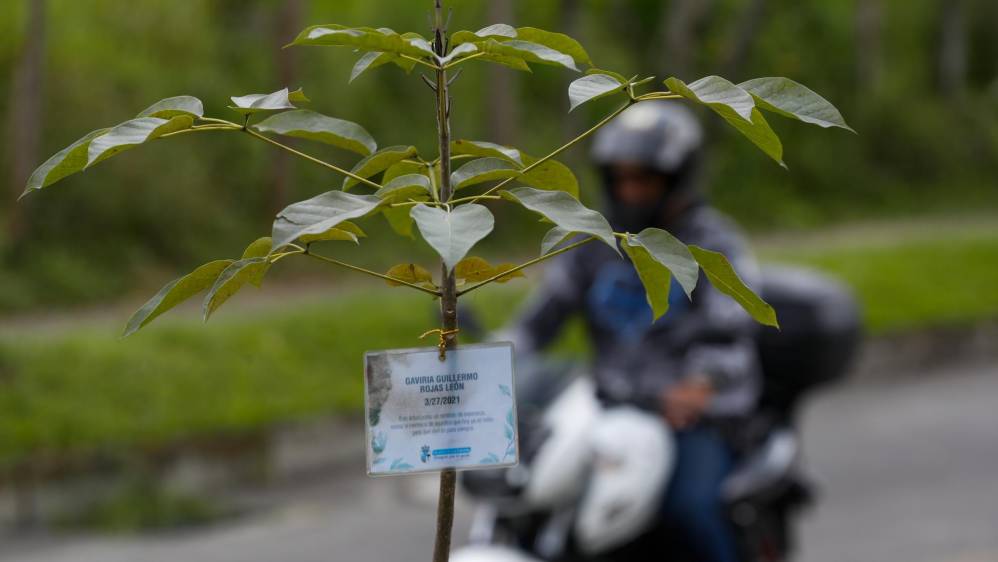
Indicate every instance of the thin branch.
{"type": "Point", "coordinates": [527, 264]}
{"type": "Point", "coordinates": [372, 273]}
{"type": "Point", "coordinates": [420, 61]}
{"type": "Point", "coordinates": [454, 63]}
{"type": "Point", "coordinates": [274, 258]}
{"type": "Point", "coordinates": [658, 96]}
{"type": "Point", "coordinates": [431, 170]}
{"type": "Point", "coordinates": [333, 167]}
{"type": "Point", "coordinates": [219, 121]}
{"type": "Point", "coordinates": [429, 83]}
{"type": "Point", "coordinates": [563, 147]}
{"type": "Point", "coordinates": [473, 198]}
{"type": "Point", "coordinates": [197, 128]}
{"type": "Point", "coordinates": [413, 202]}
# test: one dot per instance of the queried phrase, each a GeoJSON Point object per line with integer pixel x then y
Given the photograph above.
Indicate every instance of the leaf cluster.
{"type": "Point", "coordinates": [404, 187]}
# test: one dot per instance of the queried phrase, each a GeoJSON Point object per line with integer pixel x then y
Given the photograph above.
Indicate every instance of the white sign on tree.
{"type": "Point", "coordinates": [424, 414]}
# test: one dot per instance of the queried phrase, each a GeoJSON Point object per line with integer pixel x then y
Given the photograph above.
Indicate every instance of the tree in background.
{"type": "Point", "coordinates": [26, 114]}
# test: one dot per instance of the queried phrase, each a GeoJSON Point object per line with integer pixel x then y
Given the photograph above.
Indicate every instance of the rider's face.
{"type": "Point", "coordinates": [636, 186]}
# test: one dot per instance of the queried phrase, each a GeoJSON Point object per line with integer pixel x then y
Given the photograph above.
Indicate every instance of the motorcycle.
{"type": "Point", "coordinates": [591, 478]}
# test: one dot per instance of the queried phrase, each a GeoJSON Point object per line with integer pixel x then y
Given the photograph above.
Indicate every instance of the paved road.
{"type": "Point", "coordinates": [909, 467]}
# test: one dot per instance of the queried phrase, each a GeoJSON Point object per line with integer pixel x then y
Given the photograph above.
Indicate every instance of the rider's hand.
{"type": "Point", "coordinates": [683, 403]}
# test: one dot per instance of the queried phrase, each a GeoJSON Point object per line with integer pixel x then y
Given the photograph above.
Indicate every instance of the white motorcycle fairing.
{"type": "Point", "coordinates": [632, 460]}
{"type": "Point", "coordinates": [558, 474]}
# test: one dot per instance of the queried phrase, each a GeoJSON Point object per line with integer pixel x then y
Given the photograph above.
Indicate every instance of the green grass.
{"type": "Point", "coordinates": [79, 390]}
{"type": "Point", "coordinates": [72, 392]}
{"type": "Point", "coordinates": [922, 279]}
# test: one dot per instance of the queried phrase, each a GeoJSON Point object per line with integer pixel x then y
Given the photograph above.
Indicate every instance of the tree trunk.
{"type": "Point", "coordinates": [746, 28]}
{"type": "Point", "coordinates": [570, 25]}
{"type": "Point", "coordinates": [869, 44]}
{"type": "Point", "coordinates": [503, 117]}
{"type": "Point", "coordinates": [448, 297]}
{"type": "Point", "coordinates": [681, 29]}
{"type": "Point", "coordinates": [26, 115]}
{"type": "Point", "coordinates": [287, 23]}
{"type": "Point", "coordinates": [952, 54]}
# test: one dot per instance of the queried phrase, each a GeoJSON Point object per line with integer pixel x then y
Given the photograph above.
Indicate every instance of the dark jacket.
{"type": "Point", "coordinates": [635, 359]}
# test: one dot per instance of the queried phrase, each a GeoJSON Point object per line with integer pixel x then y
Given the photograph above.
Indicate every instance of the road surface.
{"type": "Point", "coordinates": [909, 468]}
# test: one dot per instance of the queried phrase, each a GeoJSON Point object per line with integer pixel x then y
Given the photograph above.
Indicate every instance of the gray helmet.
{"type": "Point", "coordinates": [664, 137]}
{"type": "Point", "coordinates": [661, 135]}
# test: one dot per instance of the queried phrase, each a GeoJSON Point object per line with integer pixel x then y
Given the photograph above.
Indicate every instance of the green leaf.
{"type": "Point", "coordinates": [557, 41]}
{"type": "Point", "coordinates": [563, 210]}
{"type": "Point", "coordinates": [724, 278]}
{"type": "Point", "coordinates": [257, 103]}
{"type": "Point", "coordinates": [174, 293]}
{"type": "Point", "coordinates": [796, 101]}
{"type": "Point", "coordinates": [171, 107]}
{"type": "Point", "coordinates": [404, 188]}
{"type": "Point", "coordinates": [365, 39]}
{"type": "Point", "coordinates": [66, 162]}
{"type": "Point", "coordinates": [514, 62]}
{"type": "Point", "coordinates": [378, 162]}
{"type": "Point", "coordinates": [620, 77]}
{"type": "Point", "coordinates": [133, 133]}
{"type": "Point", "coordinates": [345, 232]}
{"type": "Point", "coordinates": [306, 124]}
{"type": "Point", "coordinates": [259, 248]}
{"type": "Point", "coordinates": [453, 233]}
{"type": "Point", "coordinates": [352, 228]}
{"type": "Point", "coordinates": [488, 149]}
{"type": "Point", "coordinates": [507, 278]}
{"type": "Point", "coordinates": [459, 52]}
{"type": "Point", "coordinates": [527, 51]}
{"type": "Point", "coordinates": [737, 107]}
{"type": "Point", "coordinates": [551, 175]}
{"type": "Point", "coordinates": [298, 96]}
{"type": "Point", "coordinates": [668, 251]}
{"type": "Point", "coordinates": [501, 32]}
{"type": "Point", "coordinates": [403, 168]}
{"type": "Point", "coordinates": [655, 277]}
{"type": "Point", "coordinates": [399, 219]}
{"type": "Point", "coordinates": [761, 135]}
{"type": "Point", "coordinates": [482, 170]}
{"type": "Point", "coordinates": [374, 59]}
{"type": "Point", "coordinates": [410, 273]}
{"type": "Point", "coordinates": [474, 269]}
{"type": "Point", "coordinates": [233, 278]}
{"type": "Point", "coordinates": [498, 30]}
{"type": "Point", "coordinates": [553, 238]}
{"type": "Point", "coordinates": [591, 87]}
{"type": "Point", "coordinates": [370, 60]}
{"type": "Point", "coordinates": [716, 93]}
{"type": "Point", "coordinates": [319, 214]}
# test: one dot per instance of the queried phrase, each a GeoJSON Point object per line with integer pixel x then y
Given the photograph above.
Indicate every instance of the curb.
{"type": "Point", "coordinates": [897, 355]}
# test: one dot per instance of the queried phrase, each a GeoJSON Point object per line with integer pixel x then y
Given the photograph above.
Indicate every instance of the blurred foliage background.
{"type": "Point", "coordinates": [917, 79]}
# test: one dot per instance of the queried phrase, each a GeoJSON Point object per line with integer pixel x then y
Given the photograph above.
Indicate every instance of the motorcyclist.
{"type": "Point", "coordinates": [697, 364]}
